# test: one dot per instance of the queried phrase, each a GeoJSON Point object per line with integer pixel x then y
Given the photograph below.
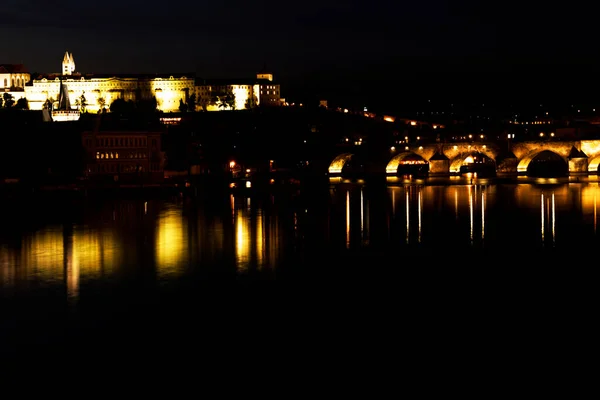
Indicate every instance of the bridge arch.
{"type": "Point", "coordinates": [337, 165]}
{"type": "Point", "coordinates": [409, 159]}
{"type": "Point", "coordinates": [473, 160]}
{"type": "Point", "coordinates": [593, 164]}
{"type": "Point", "coordinates": [554, 163]}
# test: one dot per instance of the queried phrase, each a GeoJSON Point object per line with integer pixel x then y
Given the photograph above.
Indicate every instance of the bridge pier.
{"type": "Point", "coordinates": [579, 157]}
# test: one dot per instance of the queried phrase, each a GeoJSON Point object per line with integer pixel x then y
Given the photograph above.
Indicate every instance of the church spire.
{"type": "Point", "coordinates": [68, 64]}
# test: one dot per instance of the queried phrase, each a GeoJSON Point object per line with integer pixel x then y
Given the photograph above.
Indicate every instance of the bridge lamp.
{"type": "Point", "coordinates": [406, 148]}
{"type": "Point", "coordinates": [552, 134]}
{"type": "Point", "coordinates": [418, 137]}
{"type": "Point", "coordinates": [470, 136]}
{"type": "Point", "coordinates": [393, 148]}
{"type": "Point", "coordinates": [541, 134]}
{"type": "Point", "coordinates": [481, 136]}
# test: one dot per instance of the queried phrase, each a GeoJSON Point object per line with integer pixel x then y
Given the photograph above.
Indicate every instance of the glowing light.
{"type": "Point", "coordinates": [553, 219]}
{"type": "Point", "coordinates": [542, 212]}
{"type": "Point", "coordinates": [242, 241]}
{"type": "Point", "coordinates": [362, 212]}
{"type": "Point", "coordinates": [44, 254]}
{"type": "Point", "coordinates": [469, 188]}
{"type": "Point", "coordinates": [241, 95]}
{"type": "Point", "coordinates": [171, 242]}
{"type": "Point", "coordinates": [348, 219]}
{"type": "Point", "coordinates": [482, 214]}
{"type": "Point", "coordinates": [407, 216]}
{"type": "Point", "coordinates": [419, 199]}
{"type": "Point", "coordinates": [338, 163]}
{"type": "Point", "coordinates": [260, 239]}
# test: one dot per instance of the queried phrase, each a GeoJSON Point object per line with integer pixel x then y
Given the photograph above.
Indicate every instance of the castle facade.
{"type": "Point", "coordinates": [94, 92]}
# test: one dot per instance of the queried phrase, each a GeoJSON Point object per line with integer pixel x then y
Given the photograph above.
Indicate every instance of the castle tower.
{"type": "Point", "coordinates": [68, 64]}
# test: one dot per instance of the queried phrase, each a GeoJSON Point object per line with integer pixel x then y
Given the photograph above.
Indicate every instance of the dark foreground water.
{"type": "Point", "coordinates": [348, 270]}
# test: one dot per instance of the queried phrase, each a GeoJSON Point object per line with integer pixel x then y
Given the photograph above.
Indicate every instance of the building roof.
{"type": "Point", "coordinates": [229, 82]}
{"type": "Point", "coordinates": [52, 76]}
{"type": "Point", "coordinates": [12, 68]}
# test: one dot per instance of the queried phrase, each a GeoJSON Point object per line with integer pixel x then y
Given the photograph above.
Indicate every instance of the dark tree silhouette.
{"type": "Point", "coordinates": [9, 100]}
{"type": "Point", "coordinates": [22, 104]}
{"type": "Point", "coordinates": [182, 106]}
{"type": "Point", "coordinates": [191, 103]}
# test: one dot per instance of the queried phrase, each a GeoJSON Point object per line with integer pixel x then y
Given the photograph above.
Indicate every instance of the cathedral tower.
{"type": "Point", "coordinates": [68, 64]}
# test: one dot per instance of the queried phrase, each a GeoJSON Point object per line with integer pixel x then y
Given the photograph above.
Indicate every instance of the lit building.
{"type": "Point", "coordinates": [13, 78]}
{"type": "Point", "coordinates": [124, 155]}
{"type": "Point", "coordinates": [94, 91]}
{"type": "Point", "coordinates": [219, 95]}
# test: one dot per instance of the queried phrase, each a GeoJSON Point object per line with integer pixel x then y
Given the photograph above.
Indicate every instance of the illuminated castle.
{"type": "Point", "coordinates": [216, 95]}
{"type": "Point", "coordinates": [94, 92]}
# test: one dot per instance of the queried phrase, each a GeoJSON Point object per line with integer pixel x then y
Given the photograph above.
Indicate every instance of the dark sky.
{"type": "Point", "coordinates": [327, 45]}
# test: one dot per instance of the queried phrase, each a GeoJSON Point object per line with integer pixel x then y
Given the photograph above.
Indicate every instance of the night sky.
{"type": "Point", "coordinates": [358, 49]}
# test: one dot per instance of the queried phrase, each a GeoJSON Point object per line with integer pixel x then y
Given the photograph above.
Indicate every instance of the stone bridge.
{"type": "Point", "coordinates": [578, 156]}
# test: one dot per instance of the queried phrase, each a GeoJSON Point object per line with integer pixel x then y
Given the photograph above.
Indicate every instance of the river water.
{"type": "Point", "coordinates": [77, 269]}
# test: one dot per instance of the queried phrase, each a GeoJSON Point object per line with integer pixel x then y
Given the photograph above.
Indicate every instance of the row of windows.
{"type": "Point", "coordinates": [123, 168]}
{"type": "Point", "coordinates": [16, 82]}
{"type": "Point", "coordinates": [120, 142]}
{"type": "Point", "coordinates": [111, 155]}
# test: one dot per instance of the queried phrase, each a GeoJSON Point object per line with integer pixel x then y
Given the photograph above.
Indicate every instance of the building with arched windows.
{"type": "Point", "coordinates": [13, 77]}
{"type": "Point", "coordinates": [94, 92]}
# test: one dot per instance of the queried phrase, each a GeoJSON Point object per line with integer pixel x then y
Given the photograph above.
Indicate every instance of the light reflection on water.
{"type": "Point", "coordinates": [176, 238]}
{"type": "Point", "coordinates": [172, 244]}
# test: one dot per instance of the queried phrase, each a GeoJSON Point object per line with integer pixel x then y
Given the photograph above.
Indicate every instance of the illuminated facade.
{"type": "Point", "coordinates": [95, 91]}
{"type": "Point", "coordinates": [216, 95]}
{"type": "Point", "coordinates": [124, 156]}
{"type": "Point", "coordinates": [13, 78]}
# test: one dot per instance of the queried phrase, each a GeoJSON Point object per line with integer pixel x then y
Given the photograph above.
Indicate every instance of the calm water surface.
{"type": "Point", "coordinates": [70, 263]}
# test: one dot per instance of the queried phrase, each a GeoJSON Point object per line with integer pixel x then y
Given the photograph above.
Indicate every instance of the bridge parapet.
{"type": "Point", "coordinates": [581, 156]}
